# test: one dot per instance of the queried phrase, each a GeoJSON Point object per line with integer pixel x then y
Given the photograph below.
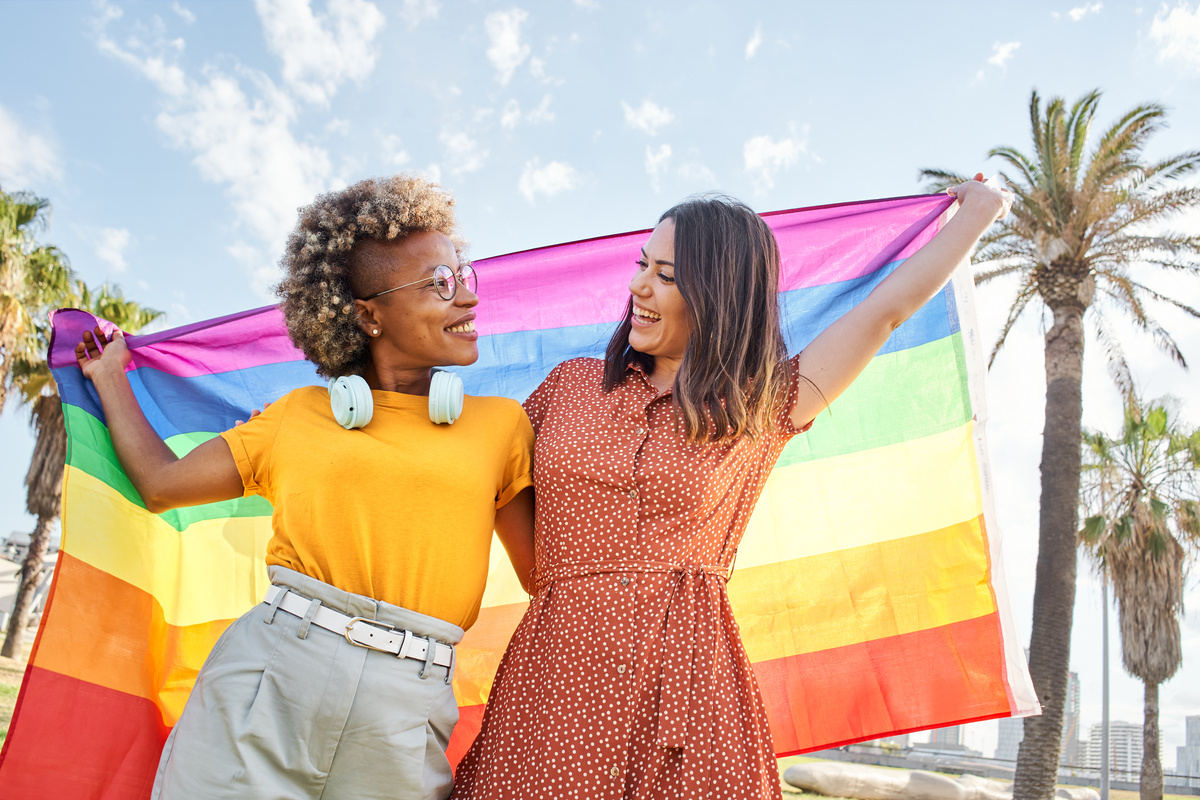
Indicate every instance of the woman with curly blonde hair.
{"type": "Point", "coordinates": [338, 685]}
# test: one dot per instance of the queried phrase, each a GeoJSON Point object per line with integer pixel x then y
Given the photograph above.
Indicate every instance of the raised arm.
{"type": "Point", "coordinates": [205, 475]}
{"type": "Point", "coordinates": [839, 353]}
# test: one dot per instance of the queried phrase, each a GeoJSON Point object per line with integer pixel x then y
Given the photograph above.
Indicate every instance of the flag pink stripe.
{"type": "Point", "coordinates": [579, 283]}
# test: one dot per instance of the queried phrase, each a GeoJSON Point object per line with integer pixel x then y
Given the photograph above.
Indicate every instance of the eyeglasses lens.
{"type": "Point", "coordinates": [443, 281]}
{"type": "Point", "coordinates": [447, 283]}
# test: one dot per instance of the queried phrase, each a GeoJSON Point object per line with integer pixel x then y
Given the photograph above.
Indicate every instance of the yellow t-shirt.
{"type": "Point", "coordinates": [401, 510]}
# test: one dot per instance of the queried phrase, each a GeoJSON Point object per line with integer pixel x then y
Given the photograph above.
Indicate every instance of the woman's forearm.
{"type": "Point", "coordinates": [143, 454]}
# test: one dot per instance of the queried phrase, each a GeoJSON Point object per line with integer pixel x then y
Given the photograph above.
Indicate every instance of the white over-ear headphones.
{"type": "Point", "coordinates": [350, 397]}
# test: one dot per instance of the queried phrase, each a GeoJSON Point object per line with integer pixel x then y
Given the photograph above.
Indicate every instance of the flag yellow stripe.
{"type": "Point", "coordinates": [212, 570]}
{"type": "Point", "coordinates": [863, 498]}
{"type": "Point", "coordinates": [864, 593]}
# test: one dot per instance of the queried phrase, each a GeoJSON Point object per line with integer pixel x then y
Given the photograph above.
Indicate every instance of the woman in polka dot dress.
{"type": "Point", "coordinates": [627, 678]}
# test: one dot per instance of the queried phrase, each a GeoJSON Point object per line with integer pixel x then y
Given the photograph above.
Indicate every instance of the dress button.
{"type": "Point", "coordinates": [641, 431]}
{"type": "Point", "coordinates": [615, 771]}
{"type": "Point", "coordinates": [620, 669]}
{"type": "Point", "coordinates": [633, 493]}
{"type": "Point", "coordinates": [624, 581]}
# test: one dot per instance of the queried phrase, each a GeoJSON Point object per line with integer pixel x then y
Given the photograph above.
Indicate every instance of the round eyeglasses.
{"type": "Point", "coordinates": [445, 280]}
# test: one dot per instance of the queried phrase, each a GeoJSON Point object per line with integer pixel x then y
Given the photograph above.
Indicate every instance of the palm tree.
{"type": "Point", "coordinates": [43, 483]}
{"type": "Point", "coordinates": [1083, 224]}
{"type": "Point", "coordinates": [1145, 494]}
{"type": "Point", "coordinates": [32, 278]}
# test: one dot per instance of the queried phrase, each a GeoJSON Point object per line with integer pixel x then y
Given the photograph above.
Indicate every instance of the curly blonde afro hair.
{"type": "Point", "coordinates": [331, 258]}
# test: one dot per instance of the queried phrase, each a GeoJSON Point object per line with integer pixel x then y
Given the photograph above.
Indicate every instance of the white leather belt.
{"type": "Point", "coordinates": [364, 632]}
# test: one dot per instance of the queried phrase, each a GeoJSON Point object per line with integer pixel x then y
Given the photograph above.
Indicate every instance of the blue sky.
{"type": "Point", "coordinates": [176, 139]}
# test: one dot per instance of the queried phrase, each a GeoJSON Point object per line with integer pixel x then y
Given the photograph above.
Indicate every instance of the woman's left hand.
{"type": "Point", "coordinates": [975, 190]}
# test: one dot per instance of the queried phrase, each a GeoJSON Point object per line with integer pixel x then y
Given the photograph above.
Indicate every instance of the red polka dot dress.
{"type": "Point", "coordinates": [627, 678]}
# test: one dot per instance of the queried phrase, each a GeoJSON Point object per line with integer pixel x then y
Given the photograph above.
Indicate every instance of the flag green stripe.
{"type": "Point", "coordinates": [900, 396]}
{"type": "Point", "coordinates": [91, 451]}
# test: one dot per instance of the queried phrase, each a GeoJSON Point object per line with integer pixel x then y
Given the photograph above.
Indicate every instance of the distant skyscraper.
{"type": "Point", "coordinates": [947, 736]}
{"type": "Point", "coordinates": [1187, 758]}
{"type": "Point", "coordinates": [1125, 745]}
{"type": "Point", "coordinates": [1070, 756]}
{"type": "Point", "coordinates": [1012, 731]}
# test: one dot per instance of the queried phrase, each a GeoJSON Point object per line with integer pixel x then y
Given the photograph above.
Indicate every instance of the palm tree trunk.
{"type": "Point", "coordinates": [32, 574]}
{"type": "Point", "coordinates": [1151, 785]}
{"type": "Point", "coordinates": [43, 498]}
{"type": "Point", "coordinates": [1054, 589]}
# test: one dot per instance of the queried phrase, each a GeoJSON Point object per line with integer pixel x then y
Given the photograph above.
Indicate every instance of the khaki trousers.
{"type": "Point", "coordinates": [285, 709]}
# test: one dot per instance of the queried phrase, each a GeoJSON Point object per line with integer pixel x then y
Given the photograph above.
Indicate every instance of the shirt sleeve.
{"type": "Point", "coordinates": [251, 444]}
{"type": "Point", "coordinates": [794, 379]}
{"type": "Point", "coordinates": [518, 469]}
{"type": "Point", "coordinates": [540, 401]}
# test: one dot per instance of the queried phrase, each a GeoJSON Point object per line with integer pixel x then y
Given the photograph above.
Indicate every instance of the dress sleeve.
{"type": "Point", "coordinates": [542, 398]}
{"type": "Point", "coordinates": [251, 444]}
{"type": "Point", "coordinates": [518, 469]}
{"type": "Point", "coordinates": [794, 380]}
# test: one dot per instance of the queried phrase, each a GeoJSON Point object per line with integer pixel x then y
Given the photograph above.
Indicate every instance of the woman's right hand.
{"type": "Point", "coordinates": [97, 353]}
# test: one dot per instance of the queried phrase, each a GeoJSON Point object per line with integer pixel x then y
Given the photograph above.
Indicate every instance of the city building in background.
{"type": "Point", "coordinates": [1125, 746]}
{"type": "Point", "coordinates": [1012, 731]}
{"type": "Point", "coordinates": [1187, 758]}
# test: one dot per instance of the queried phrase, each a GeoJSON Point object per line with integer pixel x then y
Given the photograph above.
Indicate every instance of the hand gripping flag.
{"type": "Point", "coordinates": [869, 587]}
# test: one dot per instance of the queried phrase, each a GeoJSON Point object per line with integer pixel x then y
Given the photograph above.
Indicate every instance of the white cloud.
{"type": "Point", "coordinates": [338, 126]}
{"type": "Point", "coordinates": [320, 52]}
{"type": "Point", "coordinates": [657, 162]}
{"type": "Point", "coordinates": [1082, 11]}
{"type": "Point", "coordinates": [433, 172]}
{"type": "Point", "coordinates": [414, 12]}
{"type": "Point", "coordinates": [464, 153]}
{"type": "Point", "coordinates": [647, 117]}
{"type": "Point", "coordinates": [1177, 33]}
{"type": "Point", "coordinates": [511, 115]}
{"type": "Point", "coordinates": [537, 68]}
{"type": "Point", "coordinates": [260, 266]}
{"type": "Point", "coordinates": [1001, 53]}
{"type": "Point", "coordinates": [589, 5]}
{"type": "Point", "coordinates": [186, 15]}
{"type": "Point", "coordinates": [240, 137]}
{"type": "Point", "coordinates": [754, 43]}
{"type": "Point", "coordinates": [25, 157]}
{"type": "Point", "coordinates": [765, 158]}
{"type": "Point", "coordinates": [697, 173]}
{"type": "Point", "coordinates": [506, 51]}
{"type": "Point", "coordinates": [394, 155]}
{"type": "Point", "coordinates": [542, 113]}
{"type": "Point", "coordinates": [110, 245]}
{"type": "Point", "coordinates": [555, 177]}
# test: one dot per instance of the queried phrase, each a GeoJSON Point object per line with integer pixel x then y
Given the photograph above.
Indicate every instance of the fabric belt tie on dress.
{"type": "Point", "coordinates": [690, 631]}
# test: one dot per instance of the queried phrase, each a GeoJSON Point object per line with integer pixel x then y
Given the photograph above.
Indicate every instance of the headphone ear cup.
{"type": "Point", "coordinates": [350, 398]}
{"type": "Point", "coordinates": [445, 397]}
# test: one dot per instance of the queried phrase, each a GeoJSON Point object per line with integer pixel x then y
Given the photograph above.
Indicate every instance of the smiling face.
{"type": "Point", "coordinates": [661, 322]}
{"type": "Point", "coordinates": [417, 328]}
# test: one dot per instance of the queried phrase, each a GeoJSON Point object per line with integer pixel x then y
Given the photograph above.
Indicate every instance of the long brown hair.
{"type": "Point", "coordinates": [732, 379]}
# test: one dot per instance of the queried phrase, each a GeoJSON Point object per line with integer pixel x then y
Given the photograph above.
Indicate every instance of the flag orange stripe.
{"type": "Point", "coordinates": [113, 634]}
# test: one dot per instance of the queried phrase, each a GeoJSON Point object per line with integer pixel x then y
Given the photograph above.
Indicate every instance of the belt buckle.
{"type": "Point", "coordinates": [383, 626]}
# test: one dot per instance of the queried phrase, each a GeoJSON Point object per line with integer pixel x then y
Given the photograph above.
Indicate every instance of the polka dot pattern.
{"type": "Point", "coordinates": [626, 677]}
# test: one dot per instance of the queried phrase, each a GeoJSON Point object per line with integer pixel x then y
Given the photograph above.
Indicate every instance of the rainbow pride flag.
{"type": "Point", "coordinates": [868, 588]}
